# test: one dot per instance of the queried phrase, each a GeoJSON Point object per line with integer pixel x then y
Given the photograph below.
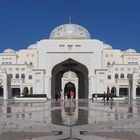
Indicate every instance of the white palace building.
{"type": "Point", "coordinates": [70, 60]}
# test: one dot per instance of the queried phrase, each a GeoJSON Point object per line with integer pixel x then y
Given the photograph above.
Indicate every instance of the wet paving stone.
{"type": "Point", "coordinates": [81, 116]}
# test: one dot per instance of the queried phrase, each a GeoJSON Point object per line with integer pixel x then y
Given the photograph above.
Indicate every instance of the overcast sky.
{"type": "Point", "coordinates": [115, 22]}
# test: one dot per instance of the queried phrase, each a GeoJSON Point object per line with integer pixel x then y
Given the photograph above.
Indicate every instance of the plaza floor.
{"type": "Point", "coordinates": [79, 119]}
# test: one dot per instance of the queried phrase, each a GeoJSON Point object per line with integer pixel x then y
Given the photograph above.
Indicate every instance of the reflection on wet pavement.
{"type": "Point", "coordinates": [79, 115]}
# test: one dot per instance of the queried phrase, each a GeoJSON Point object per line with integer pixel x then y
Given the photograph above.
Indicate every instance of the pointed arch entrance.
{"type": "Point", "coordinates": [76, 67]}
{"type": "Point", "coordinates": [113, 91]}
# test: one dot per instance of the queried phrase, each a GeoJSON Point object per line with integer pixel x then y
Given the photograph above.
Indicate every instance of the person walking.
{"type": "Point", "coordinates": [111, 97]}
{"type": "Point", "coordinates": [93, 97]}
{"type": "Point", "coordinates": [71, 95]}
{"type": "Point", "coordinates": [56, 96]}
{"type": "Point", "coordinates": [107, 98]}
{"type": "Point", "coordinates": [59, 94]}
{"type": "Point", "coordinates": [104, 95]}
{"type": "Point", "coordinates": [96, 97]}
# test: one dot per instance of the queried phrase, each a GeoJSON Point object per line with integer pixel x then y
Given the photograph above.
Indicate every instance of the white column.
{"type": "Point", "coordinates": [92, 86]}
{"type": "Point", "coordinates": [117, 90]}
{"type": "Point", "coordinates": [21, 89]}
{"type": "Point", "coordinates": [90, 90]}
{"type": "Point", "coordinates": [47, 85]}
{"type": "Point", "coordinates": [5, 96]}
{"type": "Point", "coordinates": [76, 85]}
{"type": "Point", "coordinates": [117, 87]}
{"type": "Point", "coordinates": [9, 87]}
{"type": "Point", "coordinates": [129, 91]}
{"type": "Point", "coordinates": [5, 88]}
{"type": "Point", "coordinates": [134, 92]}
{"type": "Point", "coordinates": [134, 87]}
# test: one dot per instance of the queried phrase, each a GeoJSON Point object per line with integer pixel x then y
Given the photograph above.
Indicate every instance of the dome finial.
{"type": "Point", "coordinates": [70, 19]}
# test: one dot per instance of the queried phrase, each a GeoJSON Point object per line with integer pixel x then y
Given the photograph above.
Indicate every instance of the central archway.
{"type": "Point", "coordinates": [74, 66]}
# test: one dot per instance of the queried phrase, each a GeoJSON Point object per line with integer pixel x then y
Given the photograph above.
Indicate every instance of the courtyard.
{"type": "Point", "coordinates": [70, 119]}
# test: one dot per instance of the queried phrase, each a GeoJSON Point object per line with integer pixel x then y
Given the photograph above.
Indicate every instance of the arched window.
{"type": "Point", "coordinates": [17, 76]}
{"type": "Point", "coordinates": [122, 76]}
{"type": "Point", "coordinates": [30, 77]}
{"type": "Point", "coordinates": [31, 63]}
{"type": "Point", "coordinates": [25, 91]}
{"type": "Point", "coordinates": [109, 76]}
{"type": "Point", "coordinates": [116, 76]}
{"type": "Point", "coordinates": [128, 75]}
{"type": "Point", "coordinates": [23, 76]}
{"type": "Point", "coordinates": [108, 63]}
{"type": "Point", "coordinates": [113, 91]}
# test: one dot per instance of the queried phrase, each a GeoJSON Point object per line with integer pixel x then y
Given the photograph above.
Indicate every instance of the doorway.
{"type": "Point", "coordinates": [68, 88]}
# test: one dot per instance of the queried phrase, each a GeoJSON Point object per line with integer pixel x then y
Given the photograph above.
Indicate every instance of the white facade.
{"type": "Point", "coordinates": [70, 55]}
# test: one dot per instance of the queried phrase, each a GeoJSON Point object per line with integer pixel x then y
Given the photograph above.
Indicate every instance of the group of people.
{"type": "Point", "coordinates": [105, 97]}
{"type": "Point", "coordinates": [94, 96]}
{"type": "Point", "coordinates": [60, 95]}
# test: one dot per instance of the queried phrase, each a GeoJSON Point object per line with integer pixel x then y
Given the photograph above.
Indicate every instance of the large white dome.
{"type": "Point", "coordinates": [107, 47]}
{"type": "Point", "coordinates": [32, 46]}
{"type": "Point", "coordinates": [70, 31]}
{"type": "Point", "coordinates": [130, 51]}
{"type": "Point", "coordinates": [9, 51]}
